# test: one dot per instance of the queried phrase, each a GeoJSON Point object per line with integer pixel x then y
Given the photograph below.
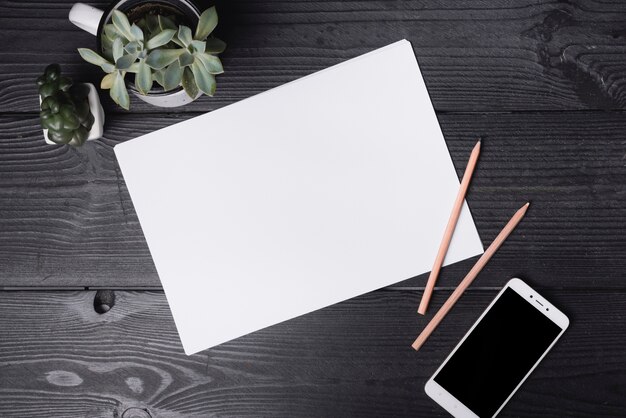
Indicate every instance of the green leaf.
{"type": "Point", "coordinates": [160, 58]}
{"type": "Point", "coordinates": [107, 47]}
{"type": "Point", "coordinates": [79, 136]}
{"type": "Point", "coordinates": [177, 41]}
{"type": "Point", "coordinates": [208, 22]}
{"type": "Point", "coordinates": [54, 122]}
{"type": "Point", "coordinates": [44, 107]}
{"type": "Point", "coordinates": [52, 72]}
{"type": "Point", "coordinates": [172, 76]}
{"type": "Point", "coordinates": [184, 35]}
{"type": "Point", "coordinates": [141, 22]}
{"type": "Point", "coordinates": [189, 83]}
{"type": "Point", "coordinates": [47, 90]}
{"type": "Point", "coordinates": [134, 68]}
{"type": "Point", "coordinates": [47, 119]}
{"type": "Point", "coordinates": [215, 46]}
{"type": "Point", "coordinates": [126, 61]}
{"type": "Point", "coordinates": [152, 23]}
{"type": "Point", "coordinates": [70, 120]}
{"type": "Point", "coordinates": [185, 59]}
{"type": "Point", "coordinates": [166, 23]}
{"type": "Point", "coordinates": [161, 39]}
{"type": "Point", "coordinates": [212, 63]}
{"type": "Point", "coordinates": [83, 112]}
{"type": "Point", "coordinates": [119, 94]}
{"type": "Point", "coordinates": [204, 80]}
{"type": "Point", "coordinates": [121, 23]}
{"type": "Point", "coordinates": [158, 76]}
{"type": "Point", "coordinates": [198, 46]}
{"type": "Point", "coordinates": [107, 81]}
{"type": "Point", "coordinates": [60, 137]}
{"type": "Point", "coordinates": [143, 78]}
{"type": "Point", "coordinates": [108, 67]}
{"type": "Point", "coordinates": [136, 32]}
{"type": "Point", "coordinates": [118, 49]}
{"type": "Point", "coordinates": [65, 83]}
{"type": "Point", "coordinates": [91, 56]}
{"type": "Point", "coordinates": [111, 32]}
{"type": "Point", "coordinates": [54, 105]}
{"type": "Point", "coordinates": [134, 47]}
{"type": "Point", "coordinates": [51, 103]}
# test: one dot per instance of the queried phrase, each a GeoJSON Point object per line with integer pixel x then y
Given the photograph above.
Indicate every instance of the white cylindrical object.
{"type": "Point", "coordinates": [173, 99]}
{"type": "Point", "coordinates": [86, 17]}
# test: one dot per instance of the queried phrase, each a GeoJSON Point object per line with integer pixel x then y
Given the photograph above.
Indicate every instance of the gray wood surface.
{"type": "Point", "coordinates": [67, 218]}
{"type": "Point", "coordinates": [351, 359]}
{"type": "Point", "coordinates": [475, 55]}
{"type": "Point", "coordinates": [542, 82]}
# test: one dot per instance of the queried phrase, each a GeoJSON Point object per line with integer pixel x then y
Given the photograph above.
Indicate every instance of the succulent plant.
{"type": "Point", "coordinates": [154, 49]}
{"type": "Point", "coordinates": [65, 109]}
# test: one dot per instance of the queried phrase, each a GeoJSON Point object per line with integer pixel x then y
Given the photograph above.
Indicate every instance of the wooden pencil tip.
{"type": "Point", "coordinates": [524, 208]}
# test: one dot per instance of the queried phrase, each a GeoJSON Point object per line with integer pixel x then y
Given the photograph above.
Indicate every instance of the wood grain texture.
{"type": "Point", "coordinates": [66, 218]}
{"type": "Point", "coordinates": [59, 358]}
{"type": "Point", "coordinates": [475, 55]}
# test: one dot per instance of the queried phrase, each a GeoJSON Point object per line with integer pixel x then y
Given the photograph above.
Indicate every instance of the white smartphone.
{"type": "Point", "coordinates": [498, 353]}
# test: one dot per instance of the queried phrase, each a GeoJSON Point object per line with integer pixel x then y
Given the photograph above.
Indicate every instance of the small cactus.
{"type": "Point", "coordinates": [65, 109]}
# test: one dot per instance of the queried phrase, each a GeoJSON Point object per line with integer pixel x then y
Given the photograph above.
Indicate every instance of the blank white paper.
{"type": "Point", "coordinates": [306, 195]}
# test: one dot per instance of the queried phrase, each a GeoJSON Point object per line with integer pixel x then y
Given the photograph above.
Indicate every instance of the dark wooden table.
{"type": "Point", "coordinates": [543, 82]}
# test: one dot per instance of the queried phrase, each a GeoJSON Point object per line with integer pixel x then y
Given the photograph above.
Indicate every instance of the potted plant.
{"type": "Point", "coordinates": [152, 54]}
{"type": "Point", "coordinates": [70, 113]}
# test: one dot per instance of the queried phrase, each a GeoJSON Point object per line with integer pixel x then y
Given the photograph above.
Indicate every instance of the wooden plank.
{"type": "Point", "coordinates": [60, 358]}
{"type": "Point", "coordinates": [478, 56]}
{"type": "Point", "coordinates": [66, 218]}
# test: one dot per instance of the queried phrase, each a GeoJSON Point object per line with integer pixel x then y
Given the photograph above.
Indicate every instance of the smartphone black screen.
{"type": "Point", "coordinates": [498, 353]}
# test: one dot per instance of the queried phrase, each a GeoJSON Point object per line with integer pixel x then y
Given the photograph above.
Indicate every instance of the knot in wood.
{"type": "Point", "coordinates": [104, 301]}
{"type": "Point", "coordinates": [136, 413]}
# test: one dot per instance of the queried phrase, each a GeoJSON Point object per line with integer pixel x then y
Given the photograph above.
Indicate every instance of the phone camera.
{"type": "Point", "coordinates": [547, 309]}
{"type": "Point", "coordinates": [531, 296]}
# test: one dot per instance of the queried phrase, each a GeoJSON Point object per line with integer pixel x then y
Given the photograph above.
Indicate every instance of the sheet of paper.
{"type": "Point", "coordinates": [309, 194]}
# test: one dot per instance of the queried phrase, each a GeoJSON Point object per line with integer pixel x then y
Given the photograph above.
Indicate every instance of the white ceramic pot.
{"type": "Point", "coordinates": [92, 20]}
{"type": "Point", "coordinates": [97, 112]}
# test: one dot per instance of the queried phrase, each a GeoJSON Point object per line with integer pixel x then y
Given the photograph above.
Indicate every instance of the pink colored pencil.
{"type": "Point", "coordinates": [441, 313]}
{"type": "Point", "coordinates": [447, 236]}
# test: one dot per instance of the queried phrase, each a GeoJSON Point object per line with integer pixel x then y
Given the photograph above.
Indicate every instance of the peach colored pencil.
{"type": "Point", "coordinates": [510, 226]}
{"type": "Point", "coordinates": [447, 236]}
